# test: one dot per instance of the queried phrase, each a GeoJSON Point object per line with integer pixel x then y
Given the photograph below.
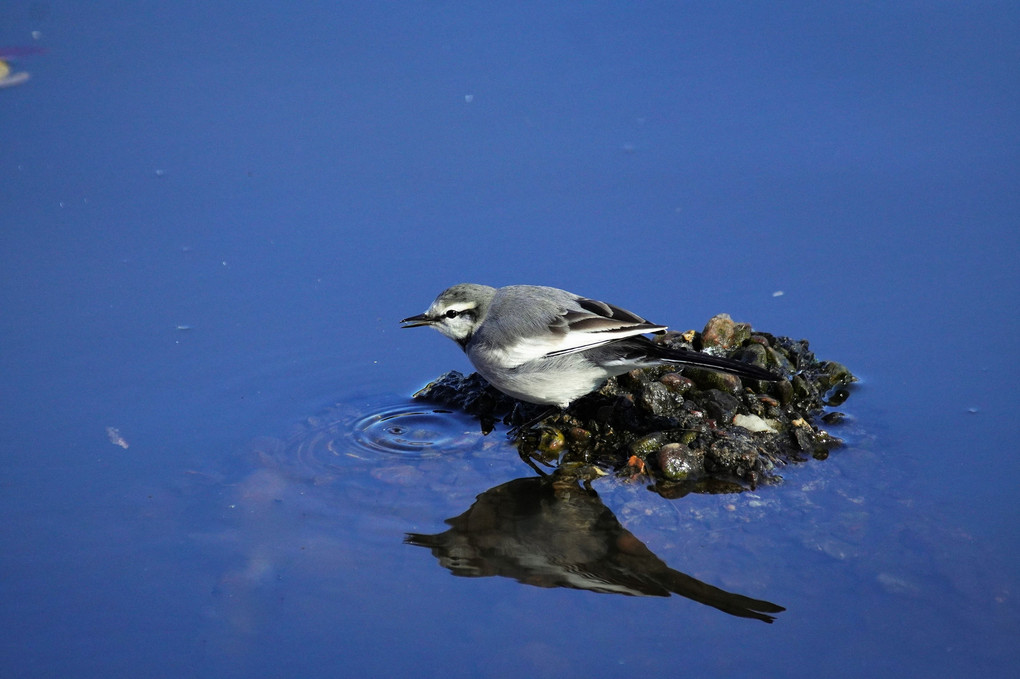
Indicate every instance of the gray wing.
{"type": "Point", "coordinates": [530, 322]}
{"type": "Point", "coordinates": [595, 323]}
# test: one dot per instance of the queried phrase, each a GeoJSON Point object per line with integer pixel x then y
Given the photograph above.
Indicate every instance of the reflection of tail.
{"type": "Point", "coordinates": [547, 533]}
{"type": "Point", "coordinates": [728, 602]}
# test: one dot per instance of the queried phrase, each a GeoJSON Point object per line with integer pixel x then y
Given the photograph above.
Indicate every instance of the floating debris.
{"type": "Point", "coordinates": [115, 438]}
{"type": "Point", "coordinates": [7, 77]}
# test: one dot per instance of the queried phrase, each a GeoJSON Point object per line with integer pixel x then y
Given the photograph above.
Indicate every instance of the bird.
{"type": "Point", "coordinates": [547, 346]}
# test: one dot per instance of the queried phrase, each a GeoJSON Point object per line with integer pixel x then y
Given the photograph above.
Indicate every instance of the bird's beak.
{"type": "Point", "coordinates": [416, 321]}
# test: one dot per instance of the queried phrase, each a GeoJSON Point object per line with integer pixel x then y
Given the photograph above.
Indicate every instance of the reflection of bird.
{"type": "Point", "coordinates": [547, 533]}
{"type": "Point", "coordinates": [549, 346]}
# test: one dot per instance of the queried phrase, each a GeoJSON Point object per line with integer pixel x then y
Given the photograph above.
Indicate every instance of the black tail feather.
{"type": "Point", "coordinates": [727, 365]}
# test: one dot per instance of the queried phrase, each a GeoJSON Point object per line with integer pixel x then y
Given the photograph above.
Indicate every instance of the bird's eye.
{"type": "Point", "coordinates": [452, 313]}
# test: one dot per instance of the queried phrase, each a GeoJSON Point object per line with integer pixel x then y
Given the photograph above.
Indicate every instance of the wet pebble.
{"type": "Point", "coordinates": [679, 463]}
{"type": "Point", "coordinates": [723, 333]}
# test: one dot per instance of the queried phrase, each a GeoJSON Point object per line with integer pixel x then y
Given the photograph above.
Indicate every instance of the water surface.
{"type": "Point", "coordinates": [214, 217]}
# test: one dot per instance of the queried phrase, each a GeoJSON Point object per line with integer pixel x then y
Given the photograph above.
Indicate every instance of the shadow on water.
{"type": "Point", "coordinates": [551, 532]}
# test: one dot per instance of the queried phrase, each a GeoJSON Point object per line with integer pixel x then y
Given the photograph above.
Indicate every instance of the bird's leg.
{"type": "Point", "coordinates": [514, 432]}
{"type": "Point", "coordinates": [528, 460]}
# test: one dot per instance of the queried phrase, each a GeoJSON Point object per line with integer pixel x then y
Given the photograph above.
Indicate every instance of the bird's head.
{"type": "Point", "coordinates": [456, 312]}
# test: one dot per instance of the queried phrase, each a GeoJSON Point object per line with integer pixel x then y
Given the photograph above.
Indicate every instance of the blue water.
{"type": "Point", "coordinates": [213, 218]}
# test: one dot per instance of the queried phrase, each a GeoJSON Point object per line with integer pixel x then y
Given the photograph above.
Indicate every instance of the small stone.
{"type": "Point", "coordinates": [551, 442]}
{"type": "Point", "coordinates": [676, 382]}
{"type": "Point", "coordinates": [755, 354]}
{"type": "Point", "coordinates": [776, 359]}
{"type": "Point", "coordinates": [646, 445]}
{"type": "Point", "coordinates": [721, 406]}
{"type": "Point", "coordinates": [579, 435]}
{"type": "Point", "coordinates": [802, 389]}
{"type": "Point", "coordinates": [680, 463]}
{"type": "Point", "coordinates": [659, 400]}
{"type": "Point", "coordinates": [838, 373]}
{"type": "Point", "coordinates": [783, 391]}
{"type": "Point", "coordinates": [755, 423]}
{"type": "Point", "coordinates": [723, 333]}
{"type": "Point", "coordinates": [833, 417]}
{"type": "Point", "coordinates": [710, 379]}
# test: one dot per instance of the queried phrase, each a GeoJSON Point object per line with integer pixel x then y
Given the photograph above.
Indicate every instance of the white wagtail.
{"type": "Point", "coordinates": [549, 346]}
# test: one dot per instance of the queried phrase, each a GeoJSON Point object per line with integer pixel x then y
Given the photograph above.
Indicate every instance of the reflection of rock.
{"type": "Point", "coordinates": [551, 532]}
